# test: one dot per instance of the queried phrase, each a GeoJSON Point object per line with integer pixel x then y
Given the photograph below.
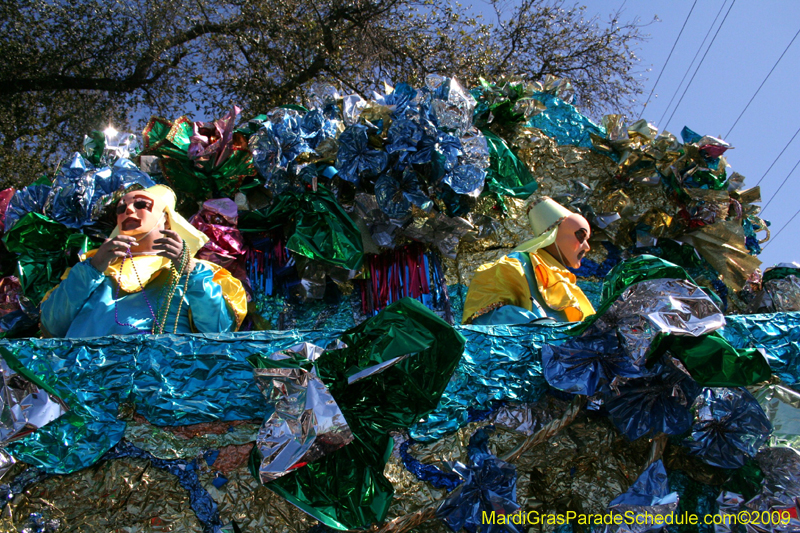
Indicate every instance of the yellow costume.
{"type": "Point", "coordinates": [529, 283]}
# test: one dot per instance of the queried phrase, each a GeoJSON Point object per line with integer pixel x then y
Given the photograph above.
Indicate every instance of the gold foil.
{"type": "Point", "coordinates": [187, 442]}
{"type": "Point", "coordinates": [722, 245]}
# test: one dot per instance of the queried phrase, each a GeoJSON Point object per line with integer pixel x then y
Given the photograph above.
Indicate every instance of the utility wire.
{"type": "Point", "coordinates": [678, 88]}
{"type": "Point", "coordinates": [782, 228]}
{"type": "Point", "coordinates": [721, 24]}
{"type": "Point", "coordinates": [762, 83]}
{"type": "Point", "coordinates": [678, 38]}
{"type": "Point", "coordinates": [781, 186]}
{"type": "Point", "coordinates": [779, 156]}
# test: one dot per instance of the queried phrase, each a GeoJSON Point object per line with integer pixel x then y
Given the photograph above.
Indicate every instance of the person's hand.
{"type": "Point", "coordinates": [171, 246]}
{"type": "Point", "coordinates": [110, 250]}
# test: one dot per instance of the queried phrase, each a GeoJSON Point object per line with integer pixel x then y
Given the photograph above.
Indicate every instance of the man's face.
{"type": "Point", "coordinates": [137, 213]}
{"type": "Point", "coordinates": [572, 239]}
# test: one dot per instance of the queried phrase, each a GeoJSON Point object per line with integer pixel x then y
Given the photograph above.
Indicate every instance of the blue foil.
{"type": "Point", "coordinates": [588, 364]}
{"type": "Point", "coordinates": [490, 486]}
{"type": "Point", "coordinates": [729, 427]}
{"type": "Point", "coordinates": [650, 488]}
{"type": "Point", "coordinates": [396, 196]}
{"type": "Point", "coordinates": [172, 379]}
{"type": "Point", "coordinates": [403, 137]}
{"type": "Point", "coordinates": [430, 473]}
{"type": "Point", "coordinates": [466, 179]}
{"type": "Point", "coordinates": [564, 123]}
{"type": "Point", "coordinates": [499, 363]}
{"type": "Point", "coordinates": [31, 199]}
{"type": "Point", "coordinates": [356, 158]}
{"type": "Point", "coordinates": [652, 405]}
{"type": "Point", "coordinates": [778, 335]}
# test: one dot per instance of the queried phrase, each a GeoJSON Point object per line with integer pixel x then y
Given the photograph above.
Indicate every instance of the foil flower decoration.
{"type": "Point", "coordinates": [587, 364]}
{"type": "Point", "coordinates": [5, 198]}
{"type": "Point", "coordinates": [654, 404]}
{"type": "Point", "coordinates": [356, 158]}
{"type": "Point", "coordinates": [466, 179]}
{"type": "Point", "coordinates": [442, 147]}
{"type": "Point", "coordinates": [306, 423]}
{"type": "Point", "coordinates": [729, 427]}
{"type": "Point", "coordinates": [217, 220]}
{"type": "Point", "coordinates": [395, 197]}
{"type": "Point", "coordinates": [489, 487]}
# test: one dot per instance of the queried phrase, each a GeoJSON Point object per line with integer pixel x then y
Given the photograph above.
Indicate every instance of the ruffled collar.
{"type": "Point", "coordinates": [558, 287]}
{"type": "Point", "coordinates": [133, 274]}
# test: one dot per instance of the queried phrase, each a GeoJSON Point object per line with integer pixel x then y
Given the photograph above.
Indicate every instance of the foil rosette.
{"type": "Point", "coordinates": [490, 486]}
{"type": "Point", "coordinates": [654, 404]}
{"type": "Point", "coordinates": [306, 422]}
{"type": "Point", "coordinates": [729, 427]}
{"type": "Point", "coordinates": [356, 158]}
{"type": "Point", "coordinates": [10, 291]}
{"type": "Point", "coordinates": [587, 365]}
{"type": "Point", "coordinates": [451, 104]}
{"type": "Point", "coordinates": [648, 496]}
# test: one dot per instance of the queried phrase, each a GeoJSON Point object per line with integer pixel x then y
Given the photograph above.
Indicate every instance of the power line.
{"type": "Point", "coordinates": [668, 57]}
{"type": "Point", "coordinates": [762, 83]}
{"type": "Point", "coordinates": [678, 88]}
{"type": "Point", "coordinates": [781, 186]}
{"type": "Point", "coordinates": [782, 228]}
{"type": "Point", "coordinates": [779, 156]}
{"type": "Point", "coordinates": [721, 24]}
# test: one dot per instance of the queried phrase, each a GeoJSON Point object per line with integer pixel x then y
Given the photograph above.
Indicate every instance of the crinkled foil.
{"type": "Point", "coordinates": [306, 422]}
{"type": "Point", "coordinates": [782, 407]}
{"type": "Point", "coordinates": [729, 427]}
{"type": "Point", "coordinates": [167, 443]}
{"type": "Point", "coordinates": [784, 294]}
{"type": "Point", "coordinates": [499, 363]}
{"type": "Point", "coordinates": [723, 245]}
{"type": "Point", "coordinates": [778, 335]}
{"type": "Point", "coordinates": [660, 306]}
{"type": "Point", "coordinates": [24, 406]}
{"type": "Point", "coordinates": [649, 496]}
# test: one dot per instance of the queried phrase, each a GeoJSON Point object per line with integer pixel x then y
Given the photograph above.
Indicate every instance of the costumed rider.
{"type": "Point", "coordinates": [144, 279]}
{"type": "Point", "coordinates": [532, 284]}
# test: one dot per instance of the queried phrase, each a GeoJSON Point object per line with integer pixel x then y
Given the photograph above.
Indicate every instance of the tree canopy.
{"type": "Point", "coordinates": [71, 67]}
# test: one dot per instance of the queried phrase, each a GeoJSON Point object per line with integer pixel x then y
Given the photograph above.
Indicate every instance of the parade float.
{"type": "Point", "coordinates": [352, 397]}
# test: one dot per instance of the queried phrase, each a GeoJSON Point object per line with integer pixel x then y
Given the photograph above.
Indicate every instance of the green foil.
{"type": "Point", "coordinates": [415, 353]}
{"type": "Point", "coordinates": [713, 362]}
{"type": "Point", "coordinates": [507, 175]}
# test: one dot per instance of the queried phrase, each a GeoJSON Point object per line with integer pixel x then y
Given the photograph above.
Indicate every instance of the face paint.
{"type": "Point", "coordinates": [572, 240]}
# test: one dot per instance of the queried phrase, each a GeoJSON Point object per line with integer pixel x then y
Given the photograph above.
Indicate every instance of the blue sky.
{"type": "Point", "coordinates": [747, 46]}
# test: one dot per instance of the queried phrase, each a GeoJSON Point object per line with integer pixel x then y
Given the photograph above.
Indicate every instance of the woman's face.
{"type": "Point", "coordinates": [572, 240]}
{"type": "Point", "coordinates": [136, 214]}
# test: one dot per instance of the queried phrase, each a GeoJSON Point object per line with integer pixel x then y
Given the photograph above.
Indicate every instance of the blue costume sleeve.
{"type": "Point", "coordinates": [208, 308]}
{"type": "Point", "coordinates": [69, 297]}
{"type": "Point", "coordinates": [508, 314]}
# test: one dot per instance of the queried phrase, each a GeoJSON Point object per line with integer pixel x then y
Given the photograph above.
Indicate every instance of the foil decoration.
{"type": "Point", "coordinates": [777, 335]}
{"type": "Point", "coordinates": [396, 197]}
{"type": "Point", "coordinates": [729, 427]}
{"type": "Point", "coordinates": [659, 306]}
{"type": "Point", "coordinates": [24, 406]}
{"type": "Point", "coordinates": [172, 379]}
{"type": "Point", "coordinates": [32, 199]}
{"type": "Point", "coordinates": [782, 407]}
{"type": "Point", "coordinates": [10, 292]}
{"type": "Point", "coordinates": [563, 122]}
{"type": "Point", "coordinates": [5, 198]}
{"type": "Point", "coordinates": [356, 159]}
{"type": "Point", "coordinates": [306, 422]}
{"type": "Point", "coordinates": [217, 219]}
{"type": "Point", "coordinates": [588, 364]}
{"type": "Point", "coordinates": [649, 496]}
{"type": "Point", "coordinates": [654, 404]}
{"type": "Point", "coordinates": [499, 363]}
{"type": "Point", "coordinates": [490, 486]}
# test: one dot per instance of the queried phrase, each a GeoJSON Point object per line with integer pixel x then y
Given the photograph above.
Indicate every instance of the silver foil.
{"type": "Point", "coordinates": [650, 307]}
{"type": "Point", "coordinates": [306, 423]}
{"type": "Point", "coordinates": [23, 406]}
